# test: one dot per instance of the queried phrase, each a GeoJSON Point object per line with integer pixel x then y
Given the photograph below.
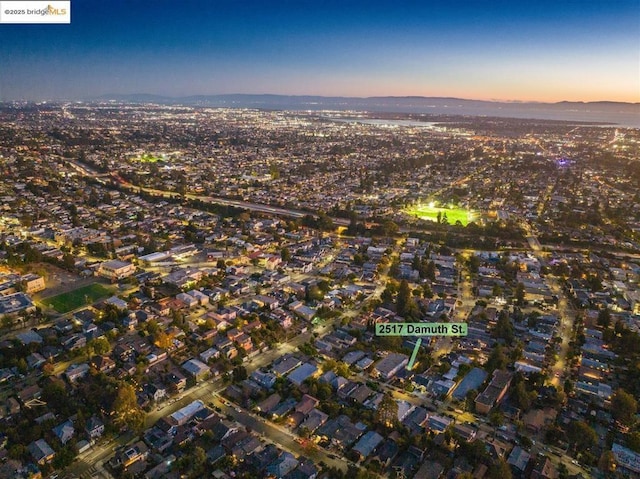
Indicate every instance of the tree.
{"type": "Point", "coordinates": [329, 365]}
{"type": "Point", "coordinates": [497, 359]}
{"type": "Point", "coordinates": [604, 318]}
{"type": "Point", "coordinates": [496, 418]}
{"type": "Point", "coordinates": [623, 407]}
{"type": "Point", "coordinates": [504, 328]}
{"type": "Point", "coordinates": [343, 370]}
{"type": "Point", "coordinates": [416, 263]}
{"type": "Point", "coordinates": [309, 448]}
{"type": "Point", "coordinates": [389, 228]}
{"type": "Point", "coordinates": [563, 471]}
{"type": "Point", "coordinates": [363, 474]}
{"type": "Point", "coordinates": [607, 462]}
{"type": "Point", "coordinates": [387, 413]}
{"type": "Point", "coordinates": [429, 271]}
{"type": "Point", "coordinates": [239, 374]}
{"type": "Point", "coordinates": [18, 451]}
{"type": "Point", "coordinates": [7, 321]}
{"type": "Point", "coordinates": [152, 326]}
{"type": "Point", "coordinates": [522, 396]}
{"type": "Point", "coordinates": [68, 261]}
{"type": "Point", "coordinates": [324, 391]}
{"type": "Point", "coordinates": [474, 451]}
{"type": "Point", "coordinates": [22, 366]}
{"type": "Point", "coordinates": [633, 441]}
{"type": "Point", "coordinates": [568, 386]}
{"type": "Point", "coordinates": [110, 313]}
{"type": "Point", "coordinates": [64, 457]}
{"type": "Point", "coordinates": [519, 294]}
{"type": "Point", "coordinates": [394, 269]}
{"type": "Point", "coordinates": [581, 435]}
{"type": "Point", "coordinates": [48, 369]}
{"type": "Point", "coordinates": [387, 294]}
{"type": "Point", "coordinates": [161, 339]}
{"type": "Point", "coordinates": [404, 299]}
{"type": "Point", "coordinates": [474, 264]}
{"type": "Point", "coordinates": [285, 254]}
{"type": "Point", "coordinates": [314, 293]}
{"type": "Point", "coordinates": [125, 408]}
{"type": "Point", "coordinates": [199, 457]}
{"type": "Point", "coordinates": [55, 394]}
{"type": "Point", "coordinates": [500, 470]}
{"type": "Point", "coordinates": [99, 346]}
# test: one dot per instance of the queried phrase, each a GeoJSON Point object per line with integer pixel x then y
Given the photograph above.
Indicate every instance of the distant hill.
{"type": "Point", "coordinates": [627, 114]}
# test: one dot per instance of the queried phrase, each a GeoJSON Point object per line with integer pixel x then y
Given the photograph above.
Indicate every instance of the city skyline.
{"type": "Point", "coordinates": [536, 51]}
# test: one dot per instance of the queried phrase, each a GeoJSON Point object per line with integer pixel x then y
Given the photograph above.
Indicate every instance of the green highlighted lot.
{"type": "Point", "coordinates": [149, 158]}
{"type": "Point", "coordinates": [77, 298]}
{"type": "Point", "coordinates": [430, 212]}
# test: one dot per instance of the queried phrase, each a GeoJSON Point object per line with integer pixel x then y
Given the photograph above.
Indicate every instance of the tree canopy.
{"type": "Point", "coordinates": [623, 407]}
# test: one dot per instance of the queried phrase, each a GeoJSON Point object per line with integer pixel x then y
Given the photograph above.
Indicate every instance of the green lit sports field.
{"type": "Point", "coordinates": [148, 158]}
{"type": "Point", "coordinates": [430, 213]}
{"type": "Point", "coordinates": [79, 297]}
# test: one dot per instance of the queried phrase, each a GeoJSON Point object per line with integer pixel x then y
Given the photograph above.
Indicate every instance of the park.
{"type": "Point", "coordinates": [431, 212]}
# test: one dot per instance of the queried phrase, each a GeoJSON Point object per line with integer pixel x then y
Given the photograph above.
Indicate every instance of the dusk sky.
{"type": "Point", "coordinates": [581, 50]}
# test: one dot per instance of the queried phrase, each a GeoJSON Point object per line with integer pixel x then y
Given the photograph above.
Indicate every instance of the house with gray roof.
{"type": "Point", "coordinates": [64, 432]}
{"type": "Point", "coordinates": [390, 365]}
{"type": "Point", "coordinates": [41, 451]}
{"type": "Point", "coordinates": [367, 444]}
{"type": "Point", "coordinates": [301, 373]}
{"type": "Point", "coordinates": [196, 369]}
{"type": "Point", "coordinates": [283, 465]}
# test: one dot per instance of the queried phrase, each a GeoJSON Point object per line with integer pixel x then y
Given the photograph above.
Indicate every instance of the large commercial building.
{"type": "Point", "coordinates": [494, 392]}
{"type": "Point", "coordinates": [32, 283]}
{"type": "Point", "coordinates": [116, 269]}
{"type": "Point", "coordinates": [15, 303]}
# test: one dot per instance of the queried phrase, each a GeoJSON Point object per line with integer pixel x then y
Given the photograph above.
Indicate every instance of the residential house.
{"type": "Point", "coordinates": [390, 365]}
{"type": "Point", "coordinates": [196, 369]}
{"type": "Point", "coordinates": [41, 451]}
{"type": "Point", "coordinates": [94, 428]}
{"type": "Point", "coordinates": [103, 364]}
{"type": "Point", "coordinates": [543, 469]}
{"type": "Point", "coordinates": [64, 432]}
{"type": "Point", "coordinates": [156, 392]}
{"type": "Point", "coordinates": [282, 466]}
{"type": "Point", "coordinates": [76, 371]}
{"type": "Point", "coordinates": [176, 381]}
{"type": "Point", "coordinates": [367, 444]}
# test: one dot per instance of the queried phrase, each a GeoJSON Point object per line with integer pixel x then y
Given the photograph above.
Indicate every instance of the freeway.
{"type": "Point", "coordinates": [258, 207]}
{"type": "Point", "coordinates": [261, 208]}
